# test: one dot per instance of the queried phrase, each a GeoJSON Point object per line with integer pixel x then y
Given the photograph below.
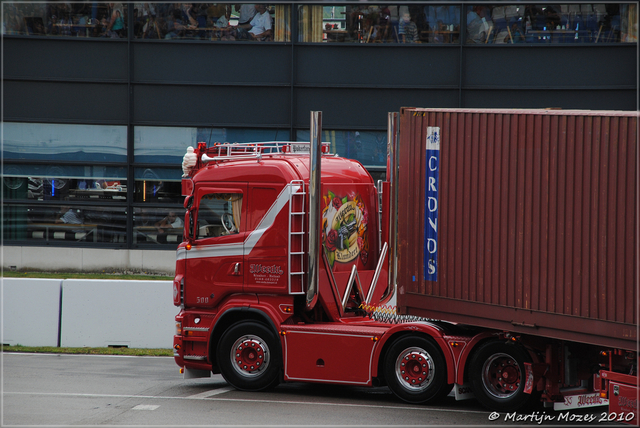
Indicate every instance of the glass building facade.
{"type": "Point", "coordinates": [101, 100]}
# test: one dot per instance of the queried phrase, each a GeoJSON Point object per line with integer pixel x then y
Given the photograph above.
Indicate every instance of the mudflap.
{"type": "Point", "coordinates": [623, 403]}
{"type": "Point", "coordinates": [528, 374]}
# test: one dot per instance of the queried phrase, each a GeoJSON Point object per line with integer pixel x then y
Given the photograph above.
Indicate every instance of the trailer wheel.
{"type": "Point", "coordinates": [249, 357]}
{"type": "Point", "coordinates": [415, 370]}
{"type": "Point", "coordinates": [497, 376]}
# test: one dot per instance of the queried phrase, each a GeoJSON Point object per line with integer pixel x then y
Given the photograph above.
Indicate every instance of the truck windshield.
{"type": "Point", "coordinates": [219, 214]}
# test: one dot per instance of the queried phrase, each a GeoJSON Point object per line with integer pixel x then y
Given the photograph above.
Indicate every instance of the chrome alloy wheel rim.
{"type": "Point", "coordinates": [249, 355]}
{"type": "Point", "coordinates": [414, 369]}
{"type": "Point", "coordinates": [501, 375]}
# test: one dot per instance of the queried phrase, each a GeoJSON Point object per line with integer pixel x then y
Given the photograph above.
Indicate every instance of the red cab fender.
{"type": "Point", "coordinates": [466, 347]}
{"type": "Point", "coordinates": [273, 310]}
{"type": "Point", "coordinates": [431, 330]}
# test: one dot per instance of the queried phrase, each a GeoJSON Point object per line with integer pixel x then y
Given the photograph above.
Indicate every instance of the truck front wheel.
{"type": "Point", "coordinates": [249, 357]}
{"type": "Point", "coordinates": [497, 376]}
{"type": "Point", "coordinates": [415, 370]}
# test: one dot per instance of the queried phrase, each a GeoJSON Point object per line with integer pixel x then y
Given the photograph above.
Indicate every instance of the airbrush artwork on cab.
{"type": "Point", "coordinates": [345, 237]}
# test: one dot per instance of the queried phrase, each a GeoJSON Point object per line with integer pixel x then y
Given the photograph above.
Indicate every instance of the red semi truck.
{"type": "Point", "coordinates": [517, 227]}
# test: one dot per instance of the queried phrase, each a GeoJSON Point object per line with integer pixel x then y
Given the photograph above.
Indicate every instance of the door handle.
{"type": "Point", "coordinates": [236, 270]}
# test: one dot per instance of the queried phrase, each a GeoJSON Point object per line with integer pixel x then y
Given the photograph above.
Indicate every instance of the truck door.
{"type": "Point", "coordinates": [215, 263]}
{"type": "Point", "coordinates": [266, 252]}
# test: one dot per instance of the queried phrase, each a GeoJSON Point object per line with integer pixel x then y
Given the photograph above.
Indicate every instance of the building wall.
{"type": "Point", "coordinates": [79, 259]}
{"type": "Point", "coordinates": [133, 83]}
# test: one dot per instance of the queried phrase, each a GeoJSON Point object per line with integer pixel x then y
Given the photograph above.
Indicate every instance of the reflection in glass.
{"type": "Point", "coordinates": [43, 141]}
{"type": "Point", "coordinates": [86, 19]}
{"type": "Point", "coordinates": [60, 182]}
{"type": "Point", "coordinates": [158, 225]}
{"type": "Point", "coordinates": [551, 23]}
{"type": "Point", "coordinates": [158, 185]}
{"type": "Point", "coordinates": [208, 21]}
{"type": "Point", "coordinates": [167, 145]}
{"type": "Point", "coordinates": [368, 147]}
{"type": "Point", "coordinates": [356, 23]}
{"type": "Point", "coordinates": [365, 23]}
{"type": "Point", "coordinates": [64, 223]}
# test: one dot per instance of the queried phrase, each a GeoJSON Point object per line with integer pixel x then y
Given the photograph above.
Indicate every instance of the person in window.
{"type": "Point", "coordinates": [259, 28]}
{"type": "Point", "coordinates": [38, 27]}
{"type": "Point", "coordinates": [115, 28]}
{"type": "Point", "coordinates": [64, 25]}
{"type": "Point", "coordinates": [145, 219]}
{"type": "Point", "coordinates": [177, 26]}
{"type": "Point", "coordinates": [171, 221]}
{"type": "Point", "coordinates": [408, 30]}
{"type": "Point", "coordinates": [151, 28]}
{"type": "Point", "coordinates": [552, 18]}
{"type": "Point", "coordinates": [478, 27]}
{"type": "Point", "coordinates": [247, 12]}
{"type": "Point", "coordinates": [68, 216]}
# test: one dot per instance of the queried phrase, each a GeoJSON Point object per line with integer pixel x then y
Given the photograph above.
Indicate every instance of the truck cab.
{"type": "Point", "coordinates": [246, 256]}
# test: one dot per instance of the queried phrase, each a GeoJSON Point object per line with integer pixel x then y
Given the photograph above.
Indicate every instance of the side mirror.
{"type": "Point", "coordinates": [188, 201]}
{"type": "Point", "coordinates": [189, 226]}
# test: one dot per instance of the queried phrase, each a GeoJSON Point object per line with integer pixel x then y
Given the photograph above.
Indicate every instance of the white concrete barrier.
{"type": "Point", "coordinates": [138, 314]}
{"type": "Point", "coordinates": [93, 313]}
{"type": "Point", "coordinates": [30, 311]}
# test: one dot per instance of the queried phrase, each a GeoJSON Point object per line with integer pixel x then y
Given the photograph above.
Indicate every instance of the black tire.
{"type": "Point", "coordinates": [497, 376]}
{"type": "Point", "coordinates": [415, 370]}
{"type": "Point", "coordinates": [248, 356]}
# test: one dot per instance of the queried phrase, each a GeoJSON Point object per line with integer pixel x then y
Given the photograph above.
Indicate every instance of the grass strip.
{"type": "Point", "coordinates": [149, 352]}
{"type": "Point", "coordinates": [85, 275]}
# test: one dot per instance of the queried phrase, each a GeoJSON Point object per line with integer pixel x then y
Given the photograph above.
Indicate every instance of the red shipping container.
{"type": "Point", "coordinates": [521, 220]}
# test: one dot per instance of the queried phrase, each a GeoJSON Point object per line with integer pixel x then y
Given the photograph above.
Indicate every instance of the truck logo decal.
{"type": "Point", "coordinates": [243, 248]}
{"type": "Point", "coordinates": [431, 204]}
{"type": "Point", "coordinates": [344, 228]}
{"type": "Point", "coordinates": [266, 274]}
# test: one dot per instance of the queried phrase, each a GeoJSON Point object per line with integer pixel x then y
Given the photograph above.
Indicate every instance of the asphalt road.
{"type": "Point", "coordinates": [46, 389]}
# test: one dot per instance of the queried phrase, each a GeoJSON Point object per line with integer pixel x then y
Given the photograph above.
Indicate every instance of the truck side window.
{"type": "Point", "coordinates": [219, 214]}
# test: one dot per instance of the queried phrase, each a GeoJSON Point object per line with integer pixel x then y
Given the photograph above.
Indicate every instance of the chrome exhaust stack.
{"type": "Point", "coordinates": [315, 210]}
{"type": "Point", "coordinates": [392, 178]}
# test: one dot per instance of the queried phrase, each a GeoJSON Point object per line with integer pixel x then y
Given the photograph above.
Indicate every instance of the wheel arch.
{"type": "Point", "coordinates": [427, 332]}
{"type": "Point", "coordinates": [234, 316]}
{"type": "Point", "coordinates": [470, 349]}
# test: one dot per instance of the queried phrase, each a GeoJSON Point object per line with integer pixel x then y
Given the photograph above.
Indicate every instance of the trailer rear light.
{"type": "Point", "coordinates": [178, 328]}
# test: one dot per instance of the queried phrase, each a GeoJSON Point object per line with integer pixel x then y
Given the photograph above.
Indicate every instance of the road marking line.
{"type": "Point", "coordinates": [244, 400]}
{"type": "Point", "coordinates": [210, 393]}
{"type": "Point", "coordinates": [145, 407]}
